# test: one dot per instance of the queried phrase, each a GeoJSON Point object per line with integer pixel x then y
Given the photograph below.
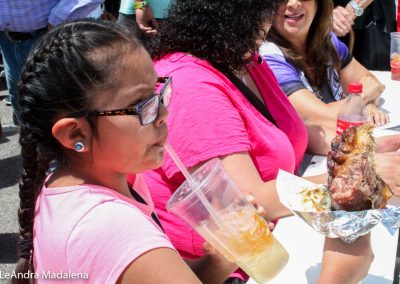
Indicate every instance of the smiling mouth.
{"type": "Point", "coordinates": [293, 17]}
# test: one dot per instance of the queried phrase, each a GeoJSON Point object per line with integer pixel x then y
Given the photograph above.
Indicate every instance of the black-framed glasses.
{"type": "Point", "coordinates": [147, 109]}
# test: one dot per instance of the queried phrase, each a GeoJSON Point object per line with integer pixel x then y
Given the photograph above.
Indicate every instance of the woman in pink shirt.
{"type": "Point", "coordinates": [211, 117]}
{"type": "Point", "coordinates": [92, 101]}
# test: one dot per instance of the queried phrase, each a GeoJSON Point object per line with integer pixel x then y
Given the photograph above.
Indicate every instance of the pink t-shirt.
{"type": "Point", "coordinates": [209, 117]}
{"type": "Point", "coordinates": [92, 231]}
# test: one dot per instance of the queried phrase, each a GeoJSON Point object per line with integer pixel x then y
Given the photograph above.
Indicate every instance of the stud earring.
{"type": "Point", "coordinates": [79, 147]}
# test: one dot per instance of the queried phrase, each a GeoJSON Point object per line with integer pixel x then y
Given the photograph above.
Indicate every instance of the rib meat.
{"type": "Point", "coordinates": [353, 182]}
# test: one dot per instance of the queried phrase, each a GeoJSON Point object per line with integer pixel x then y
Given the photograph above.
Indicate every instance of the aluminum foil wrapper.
{"type": "Point", "coordinates": [345, 225]}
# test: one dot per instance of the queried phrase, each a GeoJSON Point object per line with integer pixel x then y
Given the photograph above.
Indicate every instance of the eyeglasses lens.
{"type": "Point", "coordinates": [150, 110]}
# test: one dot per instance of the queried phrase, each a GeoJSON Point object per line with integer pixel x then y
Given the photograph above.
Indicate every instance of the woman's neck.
{"type": "Point", "coordinates": [299, 44]}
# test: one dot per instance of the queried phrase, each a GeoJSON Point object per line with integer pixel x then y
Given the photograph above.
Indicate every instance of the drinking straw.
{"type": "Point", "coordinates": [179, 164]}
{"type": "Point", "coordinates": [192, 183]}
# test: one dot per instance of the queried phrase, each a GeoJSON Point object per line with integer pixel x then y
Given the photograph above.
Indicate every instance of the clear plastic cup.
{"type": "Point", "coordinates": [214, 206]}
{"type": "Point", "coordinates": [395, 55]}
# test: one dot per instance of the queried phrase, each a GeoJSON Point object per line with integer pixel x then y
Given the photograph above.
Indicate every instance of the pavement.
{"type": "Point", "coordinates": [10, 169]}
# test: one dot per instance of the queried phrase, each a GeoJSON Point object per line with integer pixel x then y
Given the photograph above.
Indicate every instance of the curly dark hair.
{"type": "Point", "coordinates": [320, 50]}
{"type": "Point", "coordinates": [220, 31]}
{"type": "Point", "coordinates": [62, 76]}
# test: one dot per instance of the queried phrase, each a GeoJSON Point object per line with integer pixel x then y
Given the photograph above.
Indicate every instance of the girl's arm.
{"type": "Point", "coordinates": [164, 265]}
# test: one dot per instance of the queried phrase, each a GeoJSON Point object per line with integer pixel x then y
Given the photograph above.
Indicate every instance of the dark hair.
{"type": "Point", "coordinates": [62, 75]}
{"type": "Point", "coordinates": [222, 31]}
{"type": "Point", "coordinates": [320, 51]}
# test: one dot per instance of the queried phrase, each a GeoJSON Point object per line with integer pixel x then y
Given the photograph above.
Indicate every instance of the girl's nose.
{"type": "Point", "coordinates": [162, 115]}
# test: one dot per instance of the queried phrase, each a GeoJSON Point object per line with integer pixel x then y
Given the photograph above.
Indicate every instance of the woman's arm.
{"type": "Point", "coordinates": [346, 263]}
{"type": "Point", "coordinates": [242, 171]}
{"type": "Point", "coordinates": [319, 117]}
{"type": "Point", "coordinates": [343, 17]}
{"type": "Point", "coordinates": [355, 72]}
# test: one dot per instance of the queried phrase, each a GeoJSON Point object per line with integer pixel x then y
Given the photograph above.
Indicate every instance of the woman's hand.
{"type": "Point", "coordinates": [387, 160]}
{"type": "Point", "coordinates": [377, 116]}
{"type": "Point", "coordinates": [210, 250]}
{"type": "Point", "coordinates": [146, 21]}
{"type": "Point", "coordinates": [342, 21]}
{"type": "Point", "coordinates": [372, 89]}
{"type": "Point", "coordinates": [390, 143]}
{"type": "Point", "coordinates": [388, 167]}
{"type": "Point", "coordinates": [346, 263]}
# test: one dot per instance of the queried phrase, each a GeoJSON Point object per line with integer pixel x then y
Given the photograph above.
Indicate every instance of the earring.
{"type": "Point", "coordinates": [79, 147]}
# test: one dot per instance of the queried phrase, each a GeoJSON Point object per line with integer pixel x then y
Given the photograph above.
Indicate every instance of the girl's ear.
{"type": "Point", "coordinates": [69, 131]}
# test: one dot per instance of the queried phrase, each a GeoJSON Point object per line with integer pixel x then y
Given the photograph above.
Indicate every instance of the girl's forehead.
{"type": "Point", "coordinates": [137, 66]}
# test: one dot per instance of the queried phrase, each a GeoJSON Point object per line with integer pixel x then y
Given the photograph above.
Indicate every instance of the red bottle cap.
{"type": "Point", "coordinates": [355, 88]}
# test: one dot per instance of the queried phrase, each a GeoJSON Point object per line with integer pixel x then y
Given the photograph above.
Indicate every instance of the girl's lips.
{"type": "Point", "coordinates": [161, 142]}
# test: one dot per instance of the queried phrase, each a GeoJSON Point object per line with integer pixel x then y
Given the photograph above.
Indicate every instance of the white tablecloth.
{"type": "Point", "coordinates": [305, 245]}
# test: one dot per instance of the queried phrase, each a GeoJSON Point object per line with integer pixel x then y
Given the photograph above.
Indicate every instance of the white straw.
{"type": "Point", "coordinates": [192, 183]}
{"type": "Point", "coordinates": [179, 164]}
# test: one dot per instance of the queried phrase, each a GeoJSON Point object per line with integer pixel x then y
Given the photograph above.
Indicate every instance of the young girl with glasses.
{"type": "Point", "coordinates": [91, 101]}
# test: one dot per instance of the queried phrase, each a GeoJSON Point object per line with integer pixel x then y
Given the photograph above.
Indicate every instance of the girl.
{"type": "Point", "coordinates": [88, 102]}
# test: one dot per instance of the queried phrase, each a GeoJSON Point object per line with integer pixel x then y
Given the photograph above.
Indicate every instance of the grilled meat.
{"type": "Point", "coordinates": [353, 182]}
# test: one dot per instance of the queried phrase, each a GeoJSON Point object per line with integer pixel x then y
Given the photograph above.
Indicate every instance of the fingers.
{"type": "Point", "coordinates": [380, 118]}
{"type": "Point", "coordinates": [342, 21]}
{"type": "Point", "coordinates": [250, 198]}
{"type": "Point", "coordinates": [151, 32]}
{"type": "Point", "coordinates": [147, 30]}
{"type": "Point", "coordinates": [259, 209]}
{"type": "Point", "coordinates": [340, 30]}
{"type": "Point", "coordinates": [377, 116]}
{"type": "Point", "coordinates": [389, 143]}
{"type": "Point", "coordinates": [387, 166]}
{"type": "Point", "coordinates": [209, 249]}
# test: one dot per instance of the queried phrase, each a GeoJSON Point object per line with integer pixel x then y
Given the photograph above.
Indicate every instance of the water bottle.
{"type": "Point", "coordinates": [352, 112]}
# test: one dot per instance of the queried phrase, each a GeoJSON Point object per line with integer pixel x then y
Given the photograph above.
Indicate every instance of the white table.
{"type": "Point", "coordinates": [305, 245]}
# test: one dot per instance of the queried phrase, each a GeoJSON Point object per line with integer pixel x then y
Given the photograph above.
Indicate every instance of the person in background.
{"type": "Point", "coordinates": [112, 7]}
{"type": "Point", "coordinates": [210, 117]}
{"type": "Point", "coordinates": [314, 68]}
{"type": "Point", "coordinates": [345, 13]}
{"type": "Point", "coordinates": [2, 75]}
{"type": "Point", "coordinates": [22, 23]}
{"type": "Point", "coordinates": [143, 16]}
{"type": "Point", "coordinates": [372, 22]}
{"type": "Point", "coordinates": [92, 101]}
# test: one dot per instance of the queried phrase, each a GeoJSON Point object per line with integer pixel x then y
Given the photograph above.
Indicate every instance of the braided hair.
{"type": "Point", "coordinates": [62, 75]}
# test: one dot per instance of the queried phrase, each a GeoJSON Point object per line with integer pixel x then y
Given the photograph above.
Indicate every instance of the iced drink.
{"type": "Point", "coordinates": [395, 55]}
{"type": "Point", "coordinates": [214, 206]}
{"type": "Point", "coordinates": [247, 240]}
{"type": "Point", "coordinates": [395, 66]}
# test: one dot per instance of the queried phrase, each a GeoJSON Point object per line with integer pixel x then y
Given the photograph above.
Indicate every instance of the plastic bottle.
{"type": "Point", "coordinates": [352, 112]}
